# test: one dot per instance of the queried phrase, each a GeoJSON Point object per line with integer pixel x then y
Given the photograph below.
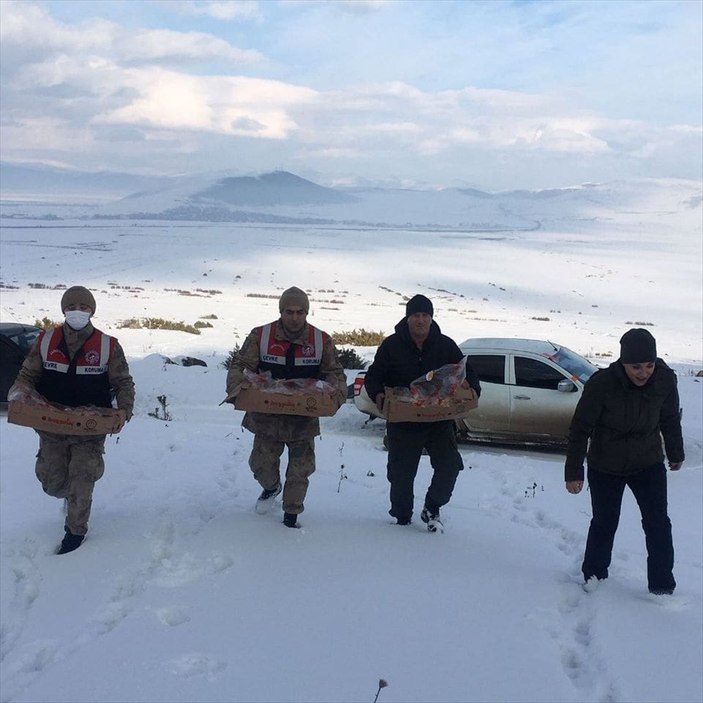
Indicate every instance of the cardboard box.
{"type": "Point", "coordinates": [62, 420]}
{"type": "Point", "coordinates": [308, 403]}
{"type": "Point", "coordinates": [452, 408]}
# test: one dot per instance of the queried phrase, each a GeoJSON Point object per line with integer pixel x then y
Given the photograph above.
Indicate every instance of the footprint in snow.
{"type": "Point", "coordinates": [109, 616]}
{"type": "Point", "coordinates": [25, 587]}
{"type": "Point", "coordinates": [173, 616]}
{"type": "Point", "coordinates": [196, 664]}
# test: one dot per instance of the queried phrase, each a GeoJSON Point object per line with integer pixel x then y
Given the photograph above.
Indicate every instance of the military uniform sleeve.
{"type": "Point", "coordinates": [121, 381]}
{"type": "Point", "coordinates": [331, 370]}
{"type": "Point", "coordinates": [31, 371]}
{"type": "Point", "coordinates": [586, 415]}
{"type": "Point", "coordinates": [246, 358]}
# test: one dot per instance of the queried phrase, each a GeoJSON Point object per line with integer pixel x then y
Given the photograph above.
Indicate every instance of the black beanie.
{"type": "Point", "coordinates": [419, 303]}
{"type": "Point", "coordinates": [637, 346]}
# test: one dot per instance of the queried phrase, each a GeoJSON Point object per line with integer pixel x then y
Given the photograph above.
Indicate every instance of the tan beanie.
{"type": "Point", "coordinates": [78, 295]}
{"type": "Point", "coordinates": [294, 297]}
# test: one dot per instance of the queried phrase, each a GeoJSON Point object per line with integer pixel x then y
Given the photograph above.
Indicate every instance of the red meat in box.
{"type": "Point", "coordinates": [397, 409]}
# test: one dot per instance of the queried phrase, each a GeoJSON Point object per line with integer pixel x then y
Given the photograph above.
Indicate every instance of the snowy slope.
{"type": "Point", "coordinates": [182, 593]}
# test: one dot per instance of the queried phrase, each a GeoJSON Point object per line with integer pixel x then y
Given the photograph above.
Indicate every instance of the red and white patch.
{"type": "Point", "coordinates": [308, 350]}
{"type": "Point", "coordinates": [92, 358]}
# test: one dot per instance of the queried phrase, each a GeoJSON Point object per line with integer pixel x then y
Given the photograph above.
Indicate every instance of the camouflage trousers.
{"type": "Point", "coordinates": [68, 467]}
{"type": "Point", "coordinates": [265, 463]}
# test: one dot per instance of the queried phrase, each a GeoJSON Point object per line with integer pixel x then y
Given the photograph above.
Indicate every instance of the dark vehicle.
{"type": "Point", "coordinates": [15, 342]}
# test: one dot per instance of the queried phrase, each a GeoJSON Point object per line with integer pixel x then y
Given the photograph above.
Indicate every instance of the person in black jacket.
{"type": "Point", "coordinates": [416, 347]}
{"type": "Point", "coordinates": [618, 425]}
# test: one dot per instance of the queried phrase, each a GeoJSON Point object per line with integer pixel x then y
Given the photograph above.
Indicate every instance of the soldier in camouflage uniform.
{"type": "Point", "coordinates": [74, 365]}
{"type": "Point", "coordinates": [288, 348]}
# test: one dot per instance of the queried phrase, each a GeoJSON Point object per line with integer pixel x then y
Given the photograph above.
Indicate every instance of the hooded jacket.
{"type": "Point", "coordinates": [399, 362]}
{"type": "Point", "coordinates": [619, 427]}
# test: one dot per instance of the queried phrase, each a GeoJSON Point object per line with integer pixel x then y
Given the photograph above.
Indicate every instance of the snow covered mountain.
{"type": "Point", "coordinates": [285, 198]}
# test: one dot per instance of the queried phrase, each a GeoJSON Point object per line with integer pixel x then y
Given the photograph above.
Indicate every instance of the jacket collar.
{"type": "Point", "coordinates": [403, 331]}
{"type": "Point", "coordinates": [75, 339]}
{"type": "Point", "coordinates": [300, 338]}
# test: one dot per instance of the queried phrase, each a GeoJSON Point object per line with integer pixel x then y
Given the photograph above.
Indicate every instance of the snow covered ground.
{"type": "Point", "coordinates": [183, 593]}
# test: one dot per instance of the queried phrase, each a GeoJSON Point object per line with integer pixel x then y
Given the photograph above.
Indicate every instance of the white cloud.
{"type": "Point", "coordinates": [230, 10]}
{"type": "Point", "coordinates": [441, 121]}
{"type": "Point", "coordinates": [29, 28]}
{"type": "Point", "coordinates": [312, 84]}
{"type": "Point", "coordinates": [234, 106]}
{"type": "Point", "coordinates": [160, 44]}
{"type": "Point", "coordinates": [27, 138]}
{"type": "Point", "coordinates": [349, 6]}
{"type": "Point", "coordinates": [564, 135]}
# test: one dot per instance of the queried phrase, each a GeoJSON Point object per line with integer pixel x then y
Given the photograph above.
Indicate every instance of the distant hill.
{"type": "Point", "coordinates": [48, 183]}
{"type": "Point", "coordinates": [285, 198]}
{"type": "Point", "coordinates": [277, 188]}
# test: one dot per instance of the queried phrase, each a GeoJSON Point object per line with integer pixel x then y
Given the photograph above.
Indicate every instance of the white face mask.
{"type": "Point", "coordinates": [77, 319]}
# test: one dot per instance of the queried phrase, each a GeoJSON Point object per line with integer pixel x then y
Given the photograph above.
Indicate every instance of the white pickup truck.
{"type": "Point", "coordinates": [529, 390]}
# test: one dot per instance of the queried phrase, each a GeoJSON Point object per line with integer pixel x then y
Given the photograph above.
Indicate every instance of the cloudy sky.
{"type": "Point", "coordinates": [495, 94]}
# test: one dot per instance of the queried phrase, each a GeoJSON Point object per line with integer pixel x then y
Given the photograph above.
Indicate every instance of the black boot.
{"type": "Point", "coordinates": [266, 499]}
{"type": "Point", "coordinates": [290, 520]}
{"type": "Point", "coordinates": [70, 542]}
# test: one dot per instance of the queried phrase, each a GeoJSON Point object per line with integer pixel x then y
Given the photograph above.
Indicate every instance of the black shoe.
{"type": "Point", "coordinates": [403, 521]}
{"type": "Point", "coordinates": [290, 520]}
{"type": "Point", "coordinates": [70, 542]}
{"type": "Point", "coordinates": [265, 500]}
{"type": "Point", "coordinates": [431, 518]}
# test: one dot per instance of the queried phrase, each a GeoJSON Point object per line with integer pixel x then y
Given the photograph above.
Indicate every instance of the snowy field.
{"type": "Point", "coordinates": [182, 593]}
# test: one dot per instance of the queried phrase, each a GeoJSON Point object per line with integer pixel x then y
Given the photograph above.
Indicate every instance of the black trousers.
{"type": "Point", "coordinates": [406, 440]}
{"type": "Point", "coordinates": [649, 488]}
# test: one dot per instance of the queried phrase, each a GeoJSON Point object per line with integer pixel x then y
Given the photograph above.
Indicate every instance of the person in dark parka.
{"type": "Point", "coordinates": [618, 425]}
{"type": "Point", "coordinates": [416, 347]}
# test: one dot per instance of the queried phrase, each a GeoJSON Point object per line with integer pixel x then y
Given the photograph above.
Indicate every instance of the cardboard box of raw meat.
{"type": "Point", "coordinates": [62, 420]}
{"type": "Point", "coordinates": [455, 406]}
{"type": "Point", "coordinates": [310, 403]}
